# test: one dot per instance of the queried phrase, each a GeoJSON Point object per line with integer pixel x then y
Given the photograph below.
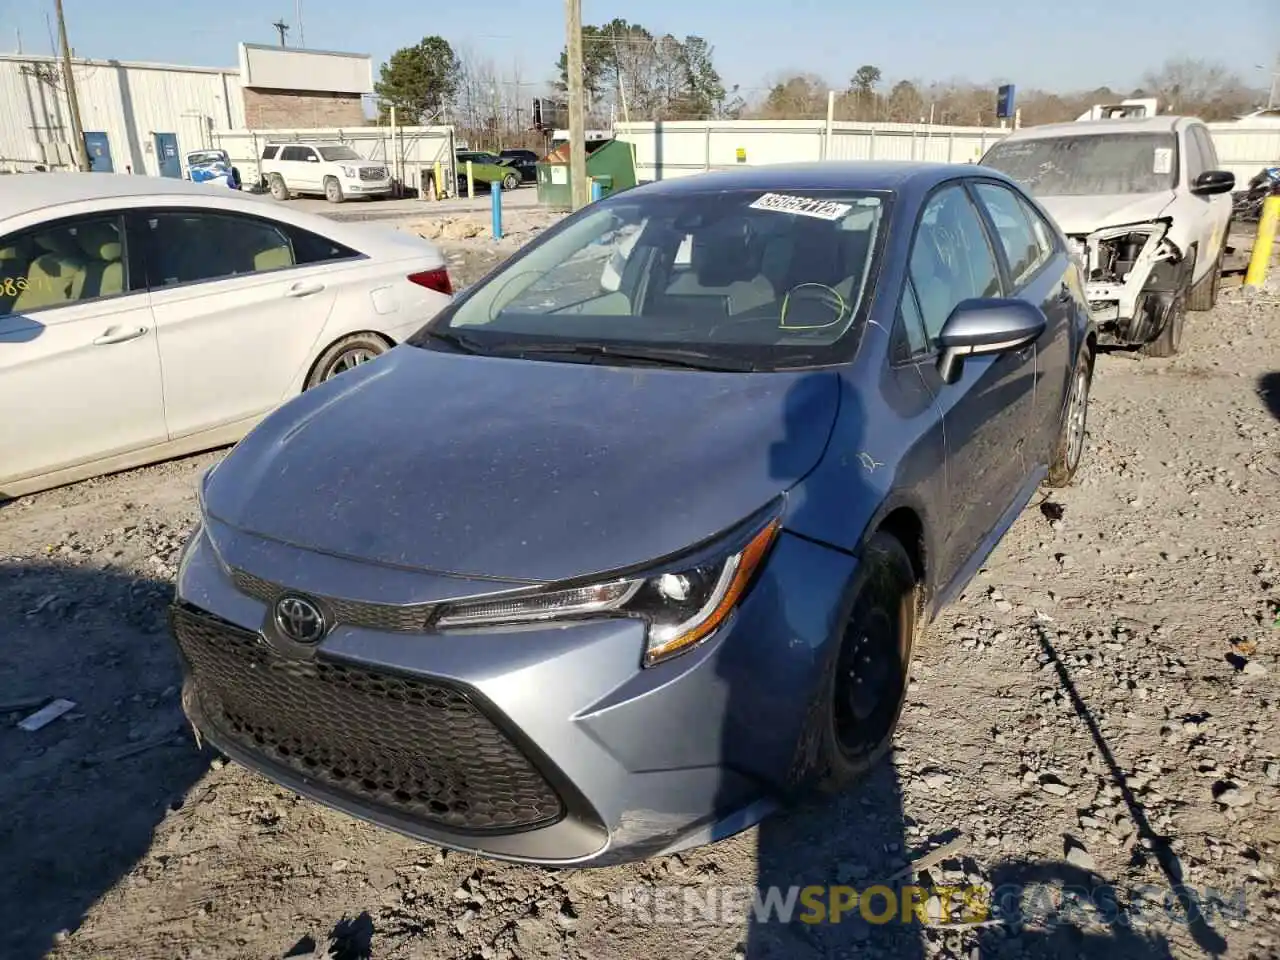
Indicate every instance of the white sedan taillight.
{"type": "Point", "coordinates": [437, 280]}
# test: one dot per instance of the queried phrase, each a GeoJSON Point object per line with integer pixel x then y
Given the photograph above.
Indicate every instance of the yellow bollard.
{"type": "Point", "coordinates": [471, 182]}
{"type": "Point", "coordinates": [1261, 258]}
{"type": "Point", "coordinates": [439, 181]}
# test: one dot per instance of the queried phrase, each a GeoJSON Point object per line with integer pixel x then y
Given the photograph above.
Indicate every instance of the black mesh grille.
{"type": "Point", "coordinates": [373, 173]}
{"type": "Point", "coordinates": [410, 618]}
{"type": "Point", "coordinates": [408, 745]}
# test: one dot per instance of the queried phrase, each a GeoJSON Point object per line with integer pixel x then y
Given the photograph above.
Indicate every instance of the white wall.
{"type": "Point", "coordinates": [681, 148]}
{"type": "Point", "coordinates": [129, 102]}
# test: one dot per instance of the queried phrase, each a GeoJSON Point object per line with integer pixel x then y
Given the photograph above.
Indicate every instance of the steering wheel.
{"type": "Point", "coordinates": [810, 307]}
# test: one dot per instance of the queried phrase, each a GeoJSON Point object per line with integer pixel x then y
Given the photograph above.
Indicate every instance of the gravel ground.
{"type": "Point", "coordinates": [1100, 707]}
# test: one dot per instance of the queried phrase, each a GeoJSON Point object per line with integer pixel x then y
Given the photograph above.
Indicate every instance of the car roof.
{"type": "Point", "coordinates": [874, 175]}
{"type": "Point", "coordinates": [1164, 123]}
{"type": "Point", "coordinates": [26, 192]}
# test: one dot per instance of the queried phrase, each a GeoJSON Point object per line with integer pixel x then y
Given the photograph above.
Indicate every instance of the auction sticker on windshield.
{"type": "Point", "coordinates": [1163, 160]}
{"type": "Point", "coordinates": [804, 206]}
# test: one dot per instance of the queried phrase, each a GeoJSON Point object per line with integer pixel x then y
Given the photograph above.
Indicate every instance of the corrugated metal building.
{"type": "Point", "coordinates": [142, 117]}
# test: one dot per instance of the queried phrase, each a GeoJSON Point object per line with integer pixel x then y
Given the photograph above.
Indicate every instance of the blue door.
{"type": "Point", "coordinates": [167, 155]}
{"type": "Point", "coordinates": [99, 149]}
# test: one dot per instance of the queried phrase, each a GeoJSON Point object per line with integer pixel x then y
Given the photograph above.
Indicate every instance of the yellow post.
{"type": "Point", "coordinates": [471, 182]}
{"type": "Point", "coordinates": [439, 181]}
{"type": "Point", "coordinates": [1261, 258]}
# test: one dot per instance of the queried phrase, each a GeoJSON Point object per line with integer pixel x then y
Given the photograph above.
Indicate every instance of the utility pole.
{"type": "Point", "coordinates": [73, 102]}
{"type": "Point", "coordinates": [302, 34]}
{"type": "Point", "coordinates": [282, 28]}
{"type": "Point", "coordinates": [577, 121]}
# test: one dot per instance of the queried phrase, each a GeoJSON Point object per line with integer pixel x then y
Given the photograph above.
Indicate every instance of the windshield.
{"type": "Point", "coordinates": [338, 153]}
{"type": "Point", "coordinates": [1090, 165]}
{"type": "Point", "coordinates": [208, 156]}
{"type": "Point", "coordinates": [770, 279]}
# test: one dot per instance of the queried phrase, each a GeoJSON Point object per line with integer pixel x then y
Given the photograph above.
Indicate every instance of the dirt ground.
{"type": "Point", "coordinates": [1100, 707]}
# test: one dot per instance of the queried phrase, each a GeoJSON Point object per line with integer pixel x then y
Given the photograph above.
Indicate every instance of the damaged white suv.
{"type": "Point", "coordinates": [1146, 209]}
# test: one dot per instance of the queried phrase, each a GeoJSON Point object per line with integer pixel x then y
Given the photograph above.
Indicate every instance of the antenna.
{"type": "Point", "coordinates": [282, 28]}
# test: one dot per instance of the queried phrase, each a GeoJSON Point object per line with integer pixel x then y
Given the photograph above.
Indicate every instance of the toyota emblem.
{"type": "Point", "coordinates": [299, 620]}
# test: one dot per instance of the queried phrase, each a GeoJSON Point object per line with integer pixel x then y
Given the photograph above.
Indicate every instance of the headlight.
{"type": "Point", "coordinates": [349, 172]}
{"type": "Point", "coordinates": [683, 603]}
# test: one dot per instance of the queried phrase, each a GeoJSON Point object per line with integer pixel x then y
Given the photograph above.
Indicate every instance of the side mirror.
{"type": "Point", "coordinates": [981, 327]}
{"type": "Point", "coordinates": [1213, 182]}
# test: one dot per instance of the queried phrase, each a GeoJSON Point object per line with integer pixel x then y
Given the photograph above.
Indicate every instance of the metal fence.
{"type": "Point", "coordinates": [410, 152]}
{"type": "Point", "coordinates": [680, 148]}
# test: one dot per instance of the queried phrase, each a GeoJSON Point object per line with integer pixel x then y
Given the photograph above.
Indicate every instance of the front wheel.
{"type": "Point", "coordinates": [1205, 293]}
{"type": "Point", "coordinates": [854, 717]}
{"type": "Point", "coordinates": [1069, 449]}
{"type": "Point", "coordinates": [276, 184]}
{"type": "Point", "coordinates": [332, 190]}
{"type": "Point", "coordinates": [1169, 342]}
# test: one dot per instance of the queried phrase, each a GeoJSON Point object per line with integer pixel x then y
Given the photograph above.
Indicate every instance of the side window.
{"type": "Point", "coordinates": [312, 248]}
{"type": "Point", "coordinates": [910, 323]}
{"type": "Point", "coordinates": [190, 246]}
{"type": "Point", "coordinates": [951, 259]}
{"type": "Point", "coordinates": [69, 261]}
{"type": "Point", "coordinates": [269, 152]}
{"type": "Point", "coordinates": [1195, 156]}
{"type": "Point", "coordinates": [294, 154]}
{"type": "Point", "coordinates": [1013, 230]}
{"type": "Point", "coordinates": [1207, 149]}
{"type": "Point", "coordinates": [1043, 232]}
{"type": "Point", "coordinates": [310, 155]}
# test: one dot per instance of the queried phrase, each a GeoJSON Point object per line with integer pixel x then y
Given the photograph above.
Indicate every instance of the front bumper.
{"type": "Point", "coordinates": [546, 744]}
{"type": "Point", "coordinates": [366, 188]}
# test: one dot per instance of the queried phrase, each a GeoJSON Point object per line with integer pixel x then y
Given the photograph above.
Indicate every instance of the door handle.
{"type": "Point", "coordinates": [116, 335]}
{"type": "Point", "coordinates": [303, 289]}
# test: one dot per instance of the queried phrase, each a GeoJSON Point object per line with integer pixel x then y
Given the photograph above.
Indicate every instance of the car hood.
{"type": "Point", "coordinates": [1079, 216]}
{"type": "Point", "coordinates": [519, 469]}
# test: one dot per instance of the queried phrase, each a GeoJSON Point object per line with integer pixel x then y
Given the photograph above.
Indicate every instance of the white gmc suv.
{"type": "Point", "coordinates": [329, 169]}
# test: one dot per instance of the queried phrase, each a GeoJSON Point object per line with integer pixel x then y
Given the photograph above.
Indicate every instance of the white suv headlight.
{"type": "Point", "coordinates": [683, 602]}
{"type": "Point", "coordinates": [350, 172]}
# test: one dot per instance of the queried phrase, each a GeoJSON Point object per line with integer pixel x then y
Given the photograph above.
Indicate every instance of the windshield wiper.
{"type": "Point", "coordinates": [459, 341]}
{"type": "Point", "coordinates": [663, 356]}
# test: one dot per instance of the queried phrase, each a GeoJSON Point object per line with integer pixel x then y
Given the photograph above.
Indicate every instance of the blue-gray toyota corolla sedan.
{"type": "Point", "coordinates": [630, 543]}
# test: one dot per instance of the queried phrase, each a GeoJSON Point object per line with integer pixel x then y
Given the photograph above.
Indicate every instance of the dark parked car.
{"type": "Point", "coordinates": [526, 161]}
{"type": "Point", "coordinates": [634, 538]}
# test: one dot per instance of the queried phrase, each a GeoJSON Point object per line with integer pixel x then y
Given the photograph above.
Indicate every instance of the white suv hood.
{"type": "Point", "coordinates": [1078, 216]}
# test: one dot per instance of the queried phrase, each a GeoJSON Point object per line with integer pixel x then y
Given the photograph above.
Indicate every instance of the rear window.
{"type": "Point", "coordinates": [1089, 165]}
{"type": "Point", "coordinates": [773, 276]}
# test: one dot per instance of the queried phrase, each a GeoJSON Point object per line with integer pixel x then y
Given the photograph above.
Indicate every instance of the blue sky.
{"type": "Point", "coordinates": [1033, 43]}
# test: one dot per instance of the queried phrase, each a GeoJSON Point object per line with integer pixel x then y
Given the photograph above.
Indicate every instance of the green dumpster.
{"type": "Point", "coordinates": [609, 162]}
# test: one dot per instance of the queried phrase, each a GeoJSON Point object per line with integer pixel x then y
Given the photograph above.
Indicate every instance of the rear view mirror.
{"type": "Point", "coordinates": [980, 327]}
{"type": "Point", "coordinates": [1213, 182]}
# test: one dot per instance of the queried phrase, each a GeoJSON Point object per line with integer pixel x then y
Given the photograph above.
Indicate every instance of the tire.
{"type": "Point", "coordinates": [333, 190]}
{"type": "Point", "coordinates": [848, 734]}
{"type": "Point", "coordinates": [510, 182]}
{"type": "Point", "coordinates": [279, 189]}
{"type": "Point", "coordinates": [1205, 293]}
{"type": "Point", "coordinates": [1068, 449]}
{"type": "Point", "coordinates": [1169, 342]}
{"type": "Point", "coordinates": [349, 352]}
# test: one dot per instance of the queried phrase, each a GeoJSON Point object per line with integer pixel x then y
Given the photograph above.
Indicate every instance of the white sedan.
{"type": "Point", "coordinates": [143, 319]}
